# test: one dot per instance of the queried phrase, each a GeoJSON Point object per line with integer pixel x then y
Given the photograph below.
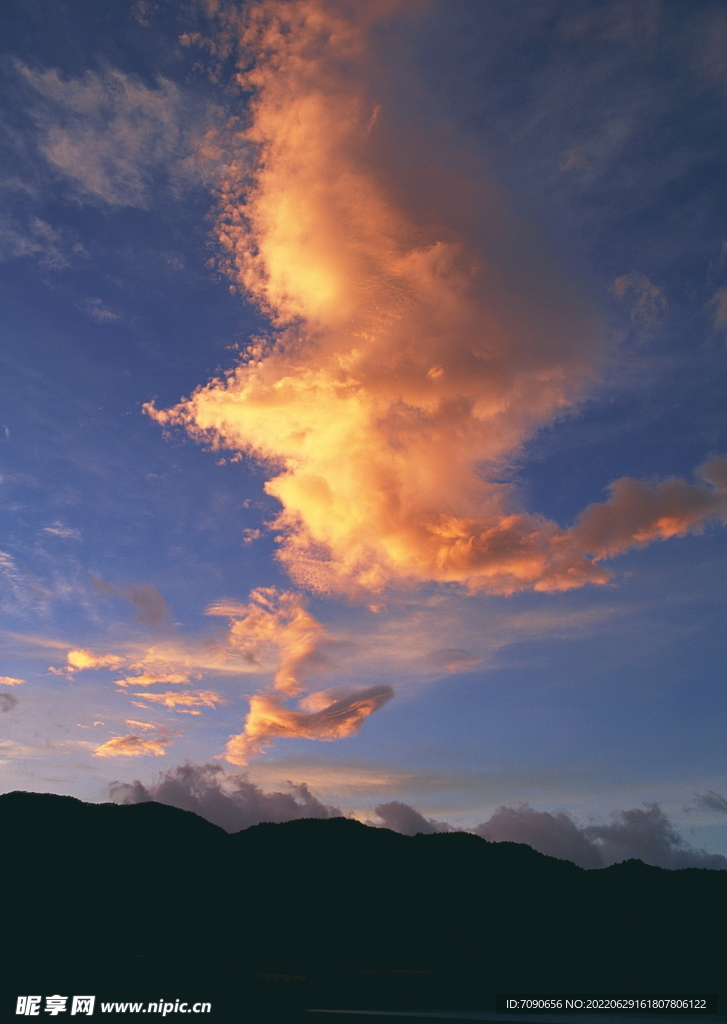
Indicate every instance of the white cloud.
{"type": "Point", "coordinates": [53, 248]}
{"type": "Point", "coordinates": [101, 312]}
{"type": "Point", "coordinates": [59, 529]}
{"type": "Point", "coordinates": [111, 135]}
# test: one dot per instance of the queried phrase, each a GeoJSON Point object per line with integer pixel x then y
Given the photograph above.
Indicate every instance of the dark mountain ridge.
{"type": "Point", "coordinates": [328, 911]}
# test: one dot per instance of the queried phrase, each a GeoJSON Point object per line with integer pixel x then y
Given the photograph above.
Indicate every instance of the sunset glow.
{"type": "Point", "coordinates": [364, 424]}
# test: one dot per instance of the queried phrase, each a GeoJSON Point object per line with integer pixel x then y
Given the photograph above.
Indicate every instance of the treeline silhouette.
{"type": "Point", "coordinates": [147, 901]}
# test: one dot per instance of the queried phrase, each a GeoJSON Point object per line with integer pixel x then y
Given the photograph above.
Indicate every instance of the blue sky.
{"type": "Point", "coordinates": [542, 188]}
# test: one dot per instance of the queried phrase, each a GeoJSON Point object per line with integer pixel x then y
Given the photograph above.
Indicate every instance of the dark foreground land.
{"type": "Point", "coordinates": [146, 902]}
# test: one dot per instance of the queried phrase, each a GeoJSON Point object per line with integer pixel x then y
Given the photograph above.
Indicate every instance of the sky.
{"type": "Point", "coordinates": [363, 445]}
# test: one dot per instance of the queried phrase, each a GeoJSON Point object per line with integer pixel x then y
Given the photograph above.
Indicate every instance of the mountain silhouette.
{"type": "Point", "coordinates": [148, 901]}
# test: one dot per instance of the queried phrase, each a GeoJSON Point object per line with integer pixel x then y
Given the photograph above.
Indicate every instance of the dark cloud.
{"type": "Point", "coordinates": [651, 837]}
{"type": "Point", "coordinates": [230, 801]}
{"type": "Point", "coordinates": [711, 801]}
{"type": "Point", "coordinates": [150, 606]}
{"type": "Point", "coordinates": [556, 835]}
{"type": "Point", "coordinates": [8, 701]}
{"type": "Point", "coordinates": [647, 835]}
{"type": "Point", "coordinates": [402, 818]}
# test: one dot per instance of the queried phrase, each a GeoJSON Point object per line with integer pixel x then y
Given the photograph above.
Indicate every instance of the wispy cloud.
{"type": "Point", "coordinates": [100, 312]}
{"type": "Point", "coordinates": [151, 679]}
{"type": "Point", "coordinates": [150, 606]}
{"type": "Point", "coordinates": [52, 247]}
{"type": "Point", "coordinates": [273, 635]}
{"type": "Point", "coordinates": [59, 529]}
{"type": "Point", "coordinates": [135, 746]}
{"type": "Point", "coordinates": [648, 302]}
{"type": "Point", "coordinates": [107, 132]}
{"type": "Point", "coordinates": [146, 726]}
{"type": "Point", "coordinates": [711, 801]}
{"type": "Point", "coordinates": [185, 700]}
{"type": "Point", "coordinates": [21, 591]}
{"type": "Point", "coordinates": [8, 701]}
{"type": "Point", "coordinates": [13, 750]}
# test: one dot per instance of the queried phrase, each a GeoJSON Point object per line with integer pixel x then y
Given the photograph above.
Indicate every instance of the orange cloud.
{"type": "Point", "coordinates": [275, 622]}
{"type": "Point", "coordinates": [185, 700]}
{"type": "Point", "coordinates": [268, 719]}
{"type": "Point", "coordinates": [80, 659]}
{"type": "Point", "coordinates": [149, 679]}
{"type": "Point", "coordinates": [423, 332]}
{"type": "Point", "coordinates": [637, 513]}
{"type": "Point", "coordinates": [10, 681]}
{"type": "Point", "coordinates": [133, 746]}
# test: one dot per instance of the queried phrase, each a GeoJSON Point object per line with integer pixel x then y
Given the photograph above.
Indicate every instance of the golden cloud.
{"type": "Point", "coordinates": [269, 718]}
{"type": "Point", "coordinates": [423, 335]}
{"type": "Point", "coordinates": [133, 746]}
{"type": "Point", "coordinates": [278, 623]}
{"type": "Point", "coordinates": [149, 679]}
{"type": "Point", "coordinates": [185, 700]}
{"type": "Point", "coordinates": [80, 659]}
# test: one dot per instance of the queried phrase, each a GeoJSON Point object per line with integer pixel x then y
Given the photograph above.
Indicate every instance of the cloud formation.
{"type": "Point", "coordinates": [20, 589]}
{"type": "Point", "coordinates": [273, 633]}
{"type": "Point", "coordinates": [643, 834]}
{"type": "Point", "coordinates": [230, 801]}
{"type": "Point", "coordinates": [402, 818]}
{"type": "Point", "coordinates": [279, 624]}
{"type": "Point", "coordinates": [268, 719]}
{"type": "Point", "coordinates": [133, 746]}
{"type": "Point", "coordinates": [647, 300]}
{"type": "Point", "coordinates": [107, 132]}
{"type": "Point", "coordinates": [234, 803]}
{"type": "Point", "coordinates": [423, 334]}
{"type": "Point", "coordinates": [8, 701]}
{"type": "Point", "coordinates": [151, 608]}
{"type": "Point", "coordinates": [10, 681]}
{"type": "Point", "coordinates": [711, 801]}
{"type": "Point", "coordinates": [185, 701]}
{"type": "Point", "coordinates": [151, 678]}
{"type": "Point", "coordinates": [79, 659]}
{"type": "Point", "coordinates": [53, 248]}
{"type": "Point", "coordinates": [59, 529]}
{"type": "Point", "coordinates": [646, 834]}
{"type": "Point", "coordinates": [556, 835]}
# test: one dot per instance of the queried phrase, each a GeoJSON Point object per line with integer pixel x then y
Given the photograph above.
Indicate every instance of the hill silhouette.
{"type": "Point", "coordinates": [147, 901]}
